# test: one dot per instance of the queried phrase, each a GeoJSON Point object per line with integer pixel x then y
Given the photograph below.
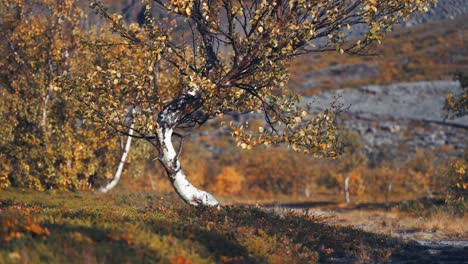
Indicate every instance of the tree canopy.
{"type": "Point", "coordinates": [212, 58]}
{"type": "Point", "coordinates": [192, 61]}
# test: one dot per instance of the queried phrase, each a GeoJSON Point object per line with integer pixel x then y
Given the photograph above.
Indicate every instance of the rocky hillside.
{"type": "Point", "coordinates": [403, 114]}
{"type": "Point", "coordinates": [445, 9]}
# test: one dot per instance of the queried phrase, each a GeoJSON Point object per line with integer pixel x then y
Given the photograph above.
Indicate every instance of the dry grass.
{"type": "Point", "coordinates": [438, 225]}
{"type": "Point", "coordinates": [442, 224]}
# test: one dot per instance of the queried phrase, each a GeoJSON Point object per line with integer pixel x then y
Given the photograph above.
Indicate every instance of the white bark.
{"type": "Point", "coordinates": [169, 158]}
{"type": "Point", "coordinates": [346, 189]}
{"type": "Point", "coordinates": [118, 173]}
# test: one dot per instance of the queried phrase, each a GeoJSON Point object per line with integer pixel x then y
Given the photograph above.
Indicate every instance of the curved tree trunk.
{"type": "Point", "coordinates": [170, 160]}
{"type": "Point", "coordinates": [118, 173]}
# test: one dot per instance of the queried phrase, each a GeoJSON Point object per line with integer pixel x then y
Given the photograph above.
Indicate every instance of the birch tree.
{"type": "Point", "coordinates": [196, 60]}
{"type": "Point", "coordinates": [126, 149]}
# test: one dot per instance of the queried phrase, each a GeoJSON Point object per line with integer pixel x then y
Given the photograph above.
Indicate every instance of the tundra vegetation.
{"type": "Point", "coordinates": [144, 227]}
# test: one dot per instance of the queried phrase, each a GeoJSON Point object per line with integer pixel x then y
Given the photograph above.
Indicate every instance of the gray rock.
{"type": "Point", "coordinates": [445, 9]}
{"type": "Point", "coordinates": [401, 113]}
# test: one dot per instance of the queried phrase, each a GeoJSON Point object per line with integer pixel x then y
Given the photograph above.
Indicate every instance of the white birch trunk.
{"type": "Point", "coordinates": [346, 189]}
{"type": "Point", "coordinates": [169, 158]}
{"type": "Point", "coordinates": [118, 173]}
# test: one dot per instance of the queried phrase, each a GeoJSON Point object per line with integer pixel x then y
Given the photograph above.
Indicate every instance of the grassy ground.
{"type": "Point", "coordinates": [422, 218]}
{"type": "Point", "coordinates": [425, 218]}
{"type": "Point", "coordinates": [56, 227]}
{"type": "Point", "coordinates": [436, 227]}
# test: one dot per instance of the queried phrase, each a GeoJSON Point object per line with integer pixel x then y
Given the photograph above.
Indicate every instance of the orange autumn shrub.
{"type": "Point", "coordinates": [458, 173]}
{"type": "Point", "coordinates": [229, 181]}
{"type": "Point", "coordinates": [17, 222]}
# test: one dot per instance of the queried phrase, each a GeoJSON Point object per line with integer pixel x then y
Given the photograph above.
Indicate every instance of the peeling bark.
{"type": "Point", "coordinates": [169, 118]}
{"type": "Point", "coordinates": [170, 160]}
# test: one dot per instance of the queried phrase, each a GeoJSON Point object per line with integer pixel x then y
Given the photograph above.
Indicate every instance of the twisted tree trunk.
{"type": "Point", "coordinates": [169, 118]}
{"type": "Point", "coordinates": [170, 160]}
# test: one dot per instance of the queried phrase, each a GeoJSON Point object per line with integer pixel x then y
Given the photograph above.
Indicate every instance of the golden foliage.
{"type": "Point", "coordinates": [249, 77]}
{"type": "Point", "coordinates": [16, 222]}
{"type": "Point", "coordinates": [46, 143]}
{"type": "Point", "coordinates": [458, 174]}
{"type": "Point", "coordinates": [407, 55]}
{"type": "Point", "coordinates": [421, 171]}
{"type": "Point", "coordinates": [229, 181]}
{"type": "Point", "coordinates": [457, 105]}
{"type": "Point", "coordinates": [180, 260]}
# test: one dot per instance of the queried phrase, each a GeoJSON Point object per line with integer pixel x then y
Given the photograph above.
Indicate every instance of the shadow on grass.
{"type": "Point", "coordinates": [409, 204]}
{"type": "Point", "coordinates": [387, 249]}
{"type": "Point", "coordinates": [69, 243]}
{"type": "Point", "coordinates": [302, 234]}
{"type": "Point", "coordinates": [346, 244]}
{"type": "Point", "coordinates": [415, 253]}
{"type": "Point", "coordinates": [218, 244]}
{"type": "Point", "coordinates": [234, 234]}
{"type": "Point", "coordinates": [301, 205]}
{"type": "Point", "coordinates": [72, 238]}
